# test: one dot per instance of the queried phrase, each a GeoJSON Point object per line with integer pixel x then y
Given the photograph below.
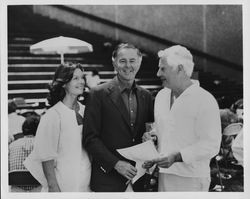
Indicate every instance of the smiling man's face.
{"type": "Point", "coordinates": [127, 64]}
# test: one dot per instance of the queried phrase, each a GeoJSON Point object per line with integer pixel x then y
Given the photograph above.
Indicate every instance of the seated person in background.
{"type": "Point", "coordinates": [237, 148]}
{"type": "Point", "coordinates": [15, 121]}
{"type": "Point", "coordinates": [227, 117]}
{"type": "Point", "coordinates": [20, 149]}
{"type": "Point", "coordinates": [237, 108]}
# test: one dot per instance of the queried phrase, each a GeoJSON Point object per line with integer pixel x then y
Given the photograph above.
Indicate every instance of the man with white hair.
{"type": "Point", "coordinates": [187, 125]}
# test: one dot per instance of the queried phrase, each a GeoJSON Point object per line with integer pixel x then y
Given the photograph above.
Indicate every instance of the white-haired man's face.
{"type": "Point", "coordinates": [167, 73]}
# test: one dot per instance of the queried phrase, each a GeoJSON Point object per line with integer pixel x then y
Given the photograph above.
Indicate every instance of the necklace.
{"type": "Point", "coordinates": [75, 107]}
{"type": "Point", "coordinates": [79, 118]}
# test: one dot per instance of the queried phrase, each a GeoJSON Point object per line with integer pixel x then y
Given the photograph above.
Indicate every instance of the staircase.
{"type": "Point", "coordinates": [29, 75]}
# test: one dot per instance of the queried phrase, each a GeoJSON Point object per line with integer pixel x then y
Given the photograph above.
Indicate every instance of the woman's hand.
{"type": "Point", "coordinates": [49, 172]}
{"type": "Point", "coordinates": [54, 188]}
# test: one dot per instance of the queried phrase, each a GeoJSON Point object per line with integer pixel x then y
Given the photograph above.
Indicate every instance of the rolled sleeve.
{"type": "Point", "coordinates": [47, 136]}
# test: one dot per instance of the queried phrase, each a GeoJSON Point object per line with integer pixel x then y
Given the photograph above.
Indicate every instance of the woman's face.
{"type": "Point", "coordinates": [76, 85]}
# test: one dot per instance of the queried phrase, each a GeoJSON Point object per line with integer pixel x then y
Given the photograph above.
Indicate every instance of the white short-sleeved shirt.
{"type": "Point", "coordinates": [192, 127]}
{"type": "Point", "coordinates": [59, 137]}
{"type": "Point", "coordinates": [15, 123]}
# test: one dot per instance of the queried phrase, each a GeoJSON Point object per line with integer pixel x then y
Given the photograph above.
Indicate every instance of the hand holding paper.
{"type": "Point", "coordinates": [148, 164]}
{"type": "Point", "coordinates": [140, 153]}
{"type": "Point", "coordinates": [126, 169]}
{"type": "Point", "coordinates": [164, 161]}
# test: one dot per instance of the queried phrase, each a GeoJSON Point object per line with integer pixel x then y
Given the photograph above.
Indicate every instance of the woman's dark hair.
{"type": "Point", "coordinates": [63, 75]}
{"type": "Point", "coordinates": [30, 125]}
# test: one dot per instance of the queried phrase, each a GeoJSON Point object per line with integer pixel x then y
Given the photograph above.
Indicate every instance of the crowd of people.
{"type": "Point", "coordinates": [73, 148]}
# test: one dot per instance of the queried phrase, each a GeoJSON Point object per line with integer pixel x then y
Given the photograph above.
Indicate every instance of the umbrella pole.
{"type": "Point", "coordinates": [62, 58]}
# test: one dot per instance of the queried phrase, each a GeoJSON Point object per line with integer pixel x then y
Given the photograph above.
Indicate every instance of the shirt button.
{"type": "Point", "coordinates": [132, 124]}
{"type": "Point", "coordinates": [103, 169]}
{"type": "Point", "coordinates": [132, 111]}
{"type": "Point", "coordinates": [133, 140]}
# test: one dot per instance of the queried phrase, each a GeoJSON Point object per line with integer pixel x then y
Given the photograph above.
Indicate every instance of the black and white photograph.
{"type": "Point", "coordinates": [124, 99]}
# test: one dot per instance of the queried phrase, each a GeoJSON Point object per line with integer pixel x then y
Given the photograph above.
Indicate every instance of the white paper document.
{"type": "Point", "coordinates": [140, 153]}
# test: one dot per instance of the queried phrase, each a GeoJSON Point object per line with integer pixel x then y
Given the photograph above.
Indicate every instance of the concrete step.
{"type": "Point", "coordinates": [50, 67]}
{"type": "Point", "coordinates": [43, 92]}
{"type": "Point", "coordinates": [49, 75]}
{"type": "Point", "coordinates": [28, 93]}
{"type": "Point", "coordinates": [42, 84]}
{"type": "Point", "coordinates": [55, 59]}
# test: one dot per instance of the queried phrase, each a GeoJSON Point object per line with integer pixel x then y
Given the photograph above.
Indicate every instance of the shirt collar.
{"type": "Point", "coordinates": [190, 89]}
{"type": "Point", "coordinates": [122, 87]}
{"type": "Point", "coordinates": [28, 136]}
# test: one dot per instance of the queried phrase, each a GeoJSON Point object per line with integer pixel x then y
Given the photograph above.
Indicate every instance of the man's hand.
{"type": "Point", "coordinates": [167, 161]}
{"type": "Point", "coordinates": [125, 169]}
{"type": "Point", "coordinates": [148, 164]}
{"type": "Point", "coordinates": [149, 136]}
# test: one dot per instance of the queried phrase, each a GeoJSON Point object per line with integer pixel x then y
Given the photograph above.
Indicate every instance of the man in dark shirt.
{"type": "Point", "coordinates": [115, 117]}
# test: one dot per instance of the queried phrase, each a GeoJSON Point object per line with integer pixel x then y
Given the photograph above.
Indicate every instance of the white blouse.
{"type": "Point", "coordinates": [59, 138]}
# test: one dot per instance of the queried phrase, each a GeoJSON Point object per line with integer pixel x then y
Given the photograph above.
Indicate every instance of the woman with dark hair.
{"type": "Point", "coordinates": [65, 163]}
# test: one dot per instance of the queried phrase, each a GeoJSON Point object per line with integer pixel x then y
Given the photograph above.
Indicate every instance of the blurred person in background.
{"type": "Point", "coordinates": [20, 149]}
{"type": "Point", "coordinates": [227, 117]}
{"type": "Point", "coordinates": [238, 148]}
{"type": "Point", "coordinates": [58, 147]}
{"type": "Point", "coordinates": [15, 121]}
{"type": "Point", "coordinates": [93, 79]}
{"type": "Point", "coordinates": [237, 108]}
{"type": "Point", "coordinates": [188, 125]}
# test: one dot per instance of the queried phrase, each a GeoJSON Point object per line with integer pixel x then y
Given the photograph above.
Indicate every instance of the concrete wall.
{"type": "Point", "coordinates": [224, 32]}
{"type": "Point", "coordinates": [213, 29]}
{"type": "Point", "coordinates": [174, 23]}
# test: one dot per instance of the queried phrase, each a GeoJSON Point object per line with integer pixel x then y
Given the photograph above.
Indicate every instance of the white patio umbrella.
{"type": "Point", "coordinates": [61, 45]}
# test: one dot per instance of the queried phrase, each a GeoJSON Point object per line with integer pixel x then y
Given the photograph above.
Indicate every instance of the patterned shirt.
{"type": "Point", "coordinates": [18, 151]}
{"type": "Point", "coordinates": [130, 101]}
